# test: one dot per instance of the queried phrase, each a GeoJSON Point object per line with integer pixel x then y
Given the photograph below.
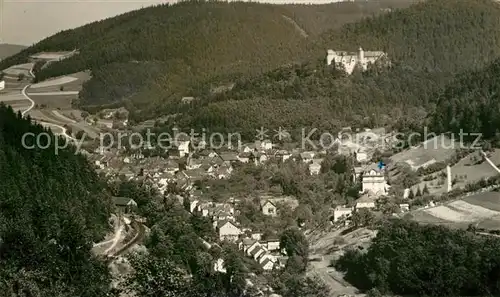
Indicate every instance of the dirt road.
{"type": "Point", "coordinates": [331, 278]}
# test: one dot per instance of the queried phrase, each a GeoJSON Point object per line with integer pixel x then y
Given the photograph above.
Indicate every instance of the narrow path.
{"type": "Point", "coordinates": [138, 236]}
{"type": "Point", "coordinates": [55, 93]}
{"type": "Point", "coordinates": [115, 239]}
{"type": "Point", "coordinates": [63, 117]}
{"type": "Point", "coordinates": [299, 29]}
{"type": "Point", "coordinates": [103, 243]}
{"type": "Point", "coordinates": [487, 234]}
{"type": "Point", "coordinates": [64, 130]}
{"type": "Point", "coordinates": [23, 92]}
{"type": "Point", "coordinates": [490, 162]}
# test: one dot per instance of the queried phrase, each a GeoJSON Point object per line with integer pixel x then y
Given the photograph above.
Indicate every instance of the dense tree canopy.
{"type": "Point", "coordinates": [428, 44]}
{"type": "Point", "coordinates": [410, 259]}
{"type": "Point", "coordinates": [471, 103]}
{"type": "Point", "coordinates": [52, 208]}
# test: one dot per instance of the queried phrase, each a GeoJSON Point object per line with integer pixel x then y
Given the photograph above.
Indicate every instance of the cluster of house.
{"type": "Point", "coordinates": [185, 166]}
{"type": "Point", "coordinates": [266, 252]}
{"type": "Point", "coordinates": [373, 186]}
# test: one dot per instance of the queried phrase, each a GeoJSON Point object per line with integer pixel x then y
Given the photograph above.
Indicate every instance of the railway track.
{"type": "Point", "coordinates": [139, 236]}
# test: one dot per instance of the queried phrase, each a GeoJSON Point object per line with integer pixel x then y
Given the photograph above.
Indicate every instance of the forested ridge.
{"type": "Point", "coordinates": [154, 56]}
{"type": "Point", "coordinates": [147, 60]}
{"type": "Point", "coordinates": [471, 103]}
{"type": "Point", "coordinates": [52, 207]}
{"type": "Point", "coordinates": [429, 44]}
{"type": "Point", "coordinates": [415, 260]}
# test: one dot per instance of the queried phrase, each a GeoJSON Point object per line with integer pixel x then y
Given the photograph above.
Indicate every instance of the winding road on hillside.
{"type": "Point", "coordinates": [32, 105]}
{"type": "Point", "coordinates": [115, 240]}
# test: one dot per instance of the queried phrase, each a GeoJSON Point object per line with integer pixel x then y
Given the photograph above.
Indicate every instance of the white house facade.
{"type": "Point", "coordinates": [374, 183]}
{"type": "Point", "coordinates": [342, 212]}
{"type": "Point", "coordinates": [228, 231]}
{"type": "Point", "coordinates": [269, 209]}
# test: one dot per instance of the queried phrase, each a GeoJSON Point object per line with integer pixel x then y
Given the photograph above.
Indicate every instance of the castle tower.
{"type": "Point", "coordinates": [361, 56]}
{"type": "Point", "coordinates": [330, 57]}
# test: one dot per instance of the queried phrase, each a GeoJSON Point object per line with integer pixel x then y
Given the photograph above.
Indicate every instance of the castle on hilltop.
{"type": "Point", "coordinates": [348, 60]}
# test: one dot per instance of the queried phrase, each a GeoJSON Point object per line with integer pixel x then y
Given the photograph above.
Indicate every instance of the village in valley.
{"type": "Point", "coordinates": [425, 183]}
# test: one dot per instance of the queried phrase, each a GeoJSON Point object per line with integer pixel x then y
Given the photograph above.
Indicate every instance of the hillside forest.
{"type": "Point", "coordinates": [52, 208]}
{"type": "Point", "coordinates": [409, 259]}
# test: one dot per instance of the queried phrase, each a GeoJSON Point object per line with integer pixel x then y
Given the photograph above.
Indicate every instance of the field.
{"type": "Point", "coordinates": [482, 210]}
{"type": "Point", "coordinates": [472, 172]}
{"type": "Point", "coordinates": [53, 107]}
{"type": "Point", "coordinates": [14, 99]}
{"type": "Point", "coordinates": [49, 56]}
{"type": "Point", "coordinates": [69, 83]}
{"type": "Point", "coordinates": [433, 150]}
{"type": "Point", "coordinates": [53, 102]}
{"type": "Point", "coordinates": [465, 172]}
{"type": "Point", "coordinates": [14, 71]}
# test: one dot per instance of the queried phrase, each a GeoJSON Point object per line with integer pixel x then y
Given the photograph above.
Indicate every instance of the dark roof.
{"type": "Point", "coordinates": [256, 250]}
{"type": "Point", "coordinates": [123, 201]}
{"type": "Point", "coordinates": [205, 152]}
{"type": "Point", "coordinates": [265, 262]}
{"type": "Point", "coordinates": [229, 156]}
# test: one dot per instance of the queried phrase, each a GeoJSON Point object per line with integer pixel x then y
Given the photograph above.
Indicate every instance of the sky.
{"type": "Point", "coordinates": [26, 22]}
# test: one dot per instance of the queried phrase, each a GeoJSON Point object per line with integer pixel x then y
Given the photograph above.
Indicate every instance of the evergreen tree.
{"type": "Point", "coordinates": [426, 190]}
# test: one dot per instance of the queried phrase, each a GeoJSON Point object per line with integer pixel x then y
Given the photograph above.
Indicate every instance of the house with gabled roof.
{"type": "Point", "coordinates": [228, 231]}
{"type": "Point", "coordinates": [124, 204]}
{"type": "Point", "coordinates": [245, 157]}
{"type": "Point", "coordinates": [366, 201]}
{"type": "Point", "coordinates": [374, 182]}
{"type": "Point", "coordinates": [252, 247]}
{"type": "Point", "coordinates": [263, 145]}
{"type": "Point", "coordinates": [222, 172]}
{"type": "Point", "coordinates": [282, 155]}
{"type": "Point", "coordinates": [228, 157]}
{"type": "Point", "coordinates": [257, 252]}
{"type": "Point", "coordinates": [267, 264]}
{"type": "Point", "coordinates": [269, 208]}
{"type": "Point", "coordinates": [314, 168]}
{"type": "Point", "coordinates": [307, 157]}
{"type": "Point", "coordinates": [207, 153]}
